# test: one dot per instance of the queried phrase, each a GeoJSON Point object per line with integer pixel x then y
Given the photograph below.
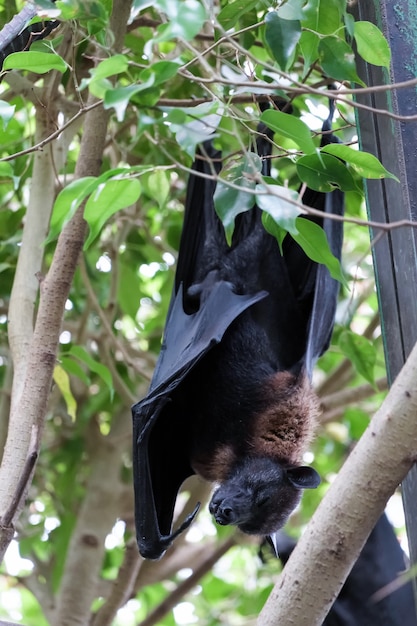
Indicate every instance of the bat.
{"type": "Point", "coordinates": [231, 397]}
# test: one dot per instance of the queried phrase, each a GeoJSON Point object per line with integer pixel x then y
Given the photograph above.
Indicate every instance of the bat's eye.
{"type": "Point", "coordinates": [262, 501]}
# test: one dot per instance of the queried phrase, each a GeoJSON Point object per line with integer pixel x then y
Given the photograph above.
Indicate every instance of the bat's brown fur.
{"type": "Point", "coordinates": [285, 428]}
{"type": "Point", "coordinates": [282, 431]}
{"type": "Point", "coordinates": [216, 466]}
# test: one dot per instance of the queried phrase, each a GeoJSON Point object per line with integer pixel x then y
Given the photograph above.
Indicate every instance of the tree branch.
{"type": "Point", "coordinates": [24, 415]}
{"type": "Point", "coordinates": [333, 404]}
{"type": "Point", "coordinates": [122, 587]}
{"type": "Point", "coordinates": [95, 519]}
{"type": "Point", "coordinates": [338, 530]}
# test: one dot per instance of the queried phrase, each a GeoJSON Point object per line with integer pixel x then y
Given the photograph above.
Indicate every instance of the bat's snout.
{"type": "Point", "coordinates": [227, 509]}
{"type": "Point", "coordinates": [224, 513]}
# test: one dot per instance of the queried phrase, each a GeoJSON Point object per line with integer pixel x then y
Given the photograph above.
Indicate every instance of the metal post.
{"type": "Point", "coordinates": [395, 144]}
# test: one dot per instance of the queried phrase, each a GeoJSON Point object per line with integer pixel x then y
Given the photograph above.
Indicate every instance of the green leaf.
{"type": "Point", "coordinates": [95, 12]}
{"type": "Point", "coordinates": [185, 23]}
{"type": "Point", "coordinates": [322, 16]}
{"type": "Point", "coordinates": [129, 290]}
{"type": "Point", "coordinates": [357, 419]}
{"type": "Point", "coordinates": [230, 202]}
{"type": "Point", "coordinates": [62, 381]}
{"type": "Point", "coordinates": [338, 60]}
{"type": "Point", "coordinates": [282, 36]}
{"type": "Point", "coordinates": [309, 46]}
{"type": "Point", "coordinates": [67, 202]}
{"type": "Point", "coordinates": [274, 229]}
{"type": "Point", "coordinates": [101, 370]}
{"type": "Point", "coordinates": [365, 163]}
{"type": "Point", "coordinates": [176, 116]}
{"type": "Point", "coordinates": [251, 32]}
{"type": "Point", "coordinates": [119, 97]}
{"type": "Point", "coordinates": [280, 207]}
{"type": "Point", "coordinates": [361, 352]}
{"type": "Point", "coordinates": [371, 44]}
{"type": "Point", "coordinates": [291, 127]}
{"type": "Point", "coordinates": [291, 10]}
{"type": "Point", "coordinates": [323, 172]}
{"type": "Point", "coordinates": [73, 367]}
{"type": "Point", "coordinates": [116, 64]}
{"type": "Point", "coordinates": [202, 122]}
{"type": "Point", "coordinates": [312, 239]}
{"type": "Point", "coordinates": [4, 267]}
{"type": "Point", "coordinates": [233, 11]}
{"type": "Point", "coordinates": [160, 71]}
{"type": "Point", "coordinates": [108, 198]}
{"type": "Point", "coordinates": [150, 77]}
{"type": "Point", "coordinates": [349, 23]}
{"type": "Point", "coordinates": [47, 5]}
{"type": "Point", "coordinates": [6, 112]}
{"type": "Point", "coordinates": [98, 82]}
{"type": "Point", "coordinates": [188, 137]}
{"type": "Point", "coordinates": [37, 62]}
{"type": "Point", "coordinates": [156, 186]}
{"type": "Point", "coordinates": [6, 170]}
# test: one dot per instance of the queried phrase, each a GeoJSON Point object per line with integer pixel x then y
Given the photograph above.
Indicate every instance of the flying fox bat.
{"type": "Point", "coordinates": [231, 398]}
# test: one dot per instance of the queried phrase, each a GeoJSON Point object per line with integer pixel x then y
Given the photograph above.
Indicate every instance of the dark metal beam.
{"type": "Point", "coordinates": [395, 144]}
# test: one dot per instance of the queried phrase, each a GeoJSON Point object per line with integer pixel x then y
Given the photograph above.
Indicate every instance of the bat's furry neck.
{"type": "Point", "coordinates": [281, 431]}
{"type": "Point", "coordinates": [284, 429]}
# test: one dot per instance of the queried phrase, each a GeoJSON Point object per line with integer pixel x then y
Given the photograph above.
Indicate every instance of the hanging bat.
{"type": "Point", "coordinates": [231, 398]}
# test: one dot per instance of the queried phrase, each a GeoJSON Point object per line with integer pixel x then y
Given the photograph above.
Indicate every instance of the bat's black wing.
{"type": "Point", "coordinates": [205, 304]}
{"type": "Point", "coordinates": [326, 289]}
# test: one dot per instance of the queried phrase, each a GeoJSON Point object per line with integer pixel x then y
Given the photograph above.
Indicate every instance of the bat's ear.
{"type": "Point", "coordinates": [303, 477]}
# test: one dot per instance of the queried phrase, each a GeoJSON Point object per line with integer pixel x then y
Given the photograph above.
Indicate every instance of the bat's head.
{"type": "Point", "coordinates": [260, 494]}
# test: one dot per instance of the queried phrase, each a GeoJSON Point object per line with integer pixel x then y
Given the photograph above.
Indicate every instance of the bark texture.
{"type": "Point", "coordinates": [338, 530]}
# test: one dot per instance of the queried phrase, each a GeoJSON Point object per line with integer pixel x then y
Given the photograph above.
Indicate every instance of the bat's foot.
{"type": "Point", "coordinates": [155, 548]}
{"type": "Point", "coordinates": [187, 522]}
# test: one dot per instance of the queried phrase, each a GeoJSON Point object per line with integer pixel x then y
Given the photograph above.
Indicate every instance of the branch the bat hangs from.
{"type": "Point", "coordinates": [373, 592]}
{"type": "Point", "coordinates": [231, 396]}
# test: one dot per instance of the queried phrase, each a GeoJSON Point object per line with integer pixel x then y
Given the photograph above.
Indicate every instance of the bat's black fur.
{"type": "Point", "coordinates": [231, 397]}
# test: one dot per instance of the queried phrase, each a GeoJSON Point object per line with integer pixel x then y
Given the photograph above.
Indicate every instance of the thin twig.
{"type": "Point", "coordinates": [122, 587]}
{"type": "Point", "coordinates": [41, 144]}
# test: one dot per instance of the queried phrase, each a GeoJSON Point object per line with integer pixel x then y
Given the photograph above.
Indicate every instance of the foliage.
{"type": "Point", "coordinates": [186, 71]}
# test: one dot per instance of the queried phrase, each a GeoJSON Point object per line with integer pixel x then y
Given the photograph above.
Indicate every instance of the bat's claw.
{"type": "Point", "coordinates": [272, 539]}
{"type": "Point", "coordinates": [187, 522]}
{"type": "Point", "coordinates": [156, 548]}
